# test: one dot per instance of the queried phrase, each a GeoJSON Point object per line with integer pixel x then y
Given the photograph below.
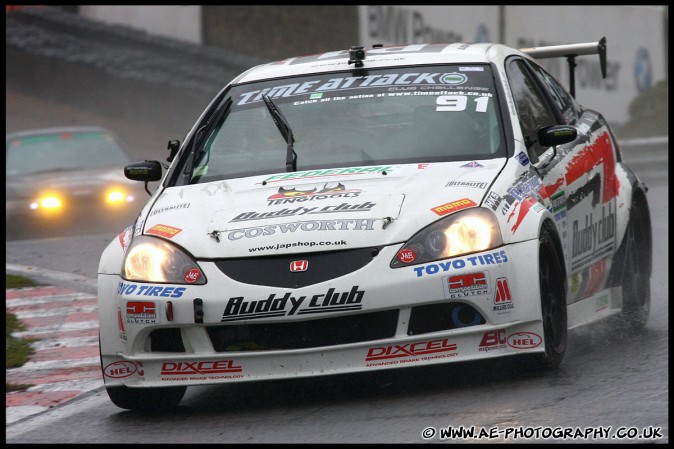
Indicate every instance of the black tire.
{"type": "Point", "coordinates": [553, 301]}
{"type": "Point", "coordinates": [635, 257]}
{"type": "Point", "coordinates": [146, 398]}
{"type": "Point", "coordinates": [143, 398]}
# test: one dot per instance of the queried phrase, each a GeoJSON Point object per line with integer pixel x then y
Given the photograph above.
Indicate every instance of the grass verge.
{"type": "Point", "coordinates": [18, 350]}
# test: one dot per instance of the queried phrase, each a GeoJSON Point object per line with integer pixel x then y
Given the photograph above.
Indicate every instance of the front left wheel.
{"type": "Point", "coordinates": [553, 300]}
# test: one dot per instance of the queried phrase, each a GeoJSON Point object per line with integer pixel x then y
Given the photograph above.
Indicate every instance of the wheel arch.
{"type": "Point", "coordinates": [548, 224]}
{"type": "Point", "coordinates": [631, 190]}
{"type": "Point", "coordinates": [629, 187]}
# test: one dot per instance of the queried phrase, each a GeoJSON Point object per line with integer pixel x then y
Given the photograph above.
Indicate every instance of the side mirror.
{"type": "Point", "coordinates": [557, 135]}
{"type": "Point", "coordinates": [146, 171]}
{"type": "Point", "coordinates": [550, 137]}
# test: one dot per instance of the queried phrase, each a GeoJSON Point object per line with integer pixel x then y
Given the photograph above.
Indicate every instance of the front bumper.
{"type": "Point", "coordinates": [468, 308]}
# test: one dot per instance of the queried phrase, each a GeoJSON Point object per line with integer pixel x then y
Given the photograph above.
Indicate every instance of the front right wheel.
{"type": "Point", "coordinates": [635, 255]}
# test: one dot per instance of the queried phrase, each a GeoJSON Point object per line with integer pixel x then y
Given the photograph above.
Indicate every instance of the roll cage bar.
{"type": "Point", "coordinates": [570, 52]}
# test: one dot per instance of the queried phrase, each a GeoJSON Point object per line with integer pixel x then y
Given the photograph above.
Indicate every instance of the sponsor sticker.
{"type": "Point", "coordinates": [454, 206]}
{"type": "Point", "coordinates": [163, 231]}
{"type": "Point", "coordinates": [120, 369]}
{"type": "Point", "coordinates": [465, 285]}
{"type": "Point", "coordinates": [125, 237]}
{"type": "Point", "coordinates": [602, 302]}
{"type": "Point", "coordinates": [407, 255]}
{"type": "Point", "coordinates": [294, 195]}
{"type": "Point", "coordinates": [142, 312]}
{"type": "Point", "coordinates": [165, 291]}
{"type": "Point", "coordinates": [192, 275]}
{"type": "Point", "coordinates": [472, 184]}
{"type": "Point", "coordinates": [168, 208]}
{"type": "Point", "coordinates": [201, 370]}
{"type": "Point", "coordinates": [524, 340]}
{"type": "Point", "coordinates": [277, 305]}
{"type": "Point", "coordinates": [496, 257]}
{"type": "Point", "coordinates": [493, 200]}
{"type": "Point", "coordinates": [364, 224]}
{"type": "Point", "coordinates": [328, 172]}
{"type": "Point", "coordinates": [493, 340]}
{"type": "Point", "coordinates": [410, 352]}
{"type": "Point", "coordinates": [299, 211]}
{"type": "Point", "coordinates": [503, 300]}
{"type": "Point", "coordinates": [523, 158]}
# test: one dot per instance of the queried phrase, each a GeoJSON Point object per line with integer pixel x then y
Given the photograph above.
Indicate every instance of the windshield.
{"type": "Point", "coordinates": [43, 153]}
{"type": "Point", "coordinates": [412, 114]}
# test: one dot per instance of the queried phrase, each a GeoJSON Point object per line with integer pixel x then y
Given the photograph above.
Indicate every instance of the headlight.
{"type": "Point", "coordinates": [49, 202]}
{"type": "Point", "coordinates": [464, 232]}
{"type": "Point", "coordinates": [150, 259]}
{"type": "Point", "coordinates": [117, 196]}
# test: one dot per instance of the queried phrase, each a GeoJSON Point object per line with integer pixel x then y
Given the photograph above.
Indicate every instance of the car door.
{"type": "Point", "coordinates": [572, 175]}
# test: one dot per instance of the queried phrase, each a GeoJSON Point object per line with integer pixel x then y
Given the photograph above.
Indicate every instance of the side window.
{"type": "Point", "coordinates": [563, 101]}
{"type": "Point", "coordinates": [532, 108]}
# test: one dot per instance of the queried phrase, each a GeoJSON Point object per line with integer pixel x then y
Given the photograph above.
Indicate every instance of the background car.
{"type": "Point", "coordinates": [67, 180]}
{"type": "Point", "coordinates": [363, 210]}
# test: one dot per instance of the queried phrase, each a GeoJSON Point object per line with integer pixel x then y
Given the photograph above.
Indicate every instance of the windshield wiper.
{"type": "Point", "coordinates": [205, 130]}
{"type": "Point", "coordinates": [286, 132]}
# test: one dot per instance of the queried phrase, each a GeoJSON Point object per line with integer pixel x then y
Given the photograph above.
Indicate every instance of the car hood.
{"type": "Point", "coordinates": [75, 182]}
{"type": "Point", "coordinates": [319, 210]}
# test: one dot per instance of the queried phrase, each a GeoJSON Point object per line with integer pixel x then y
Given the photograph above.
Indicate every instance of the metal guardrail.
{"type": "Point", "coordinates": [647, 156]}
{"type": "Point", "coordinates": [646, 141]}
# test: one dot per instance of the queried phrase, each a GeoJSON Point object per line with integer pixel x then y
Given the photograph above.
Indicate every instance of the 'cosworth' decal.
{"type": "Point", "coordinates": [365, 224]}
{"type": "Point", "coordinates": [471, 261]}
{"type": "Point", "coordinates": [238, 308]}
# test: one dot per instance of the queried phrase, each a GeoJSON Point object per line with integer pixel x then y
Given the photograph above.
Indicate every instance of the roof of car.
{"type": "Point", "coordinates": [55, 130]}
{"type": "Point", "coordinates": [413, 54]}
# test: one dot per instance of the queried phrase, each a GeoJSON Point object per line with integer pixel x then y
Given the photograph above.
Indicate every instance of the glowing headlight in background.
{"type": "Point", "coordinates": [117, 196]}
{"type": "Point", "coordinates": [47, 202]}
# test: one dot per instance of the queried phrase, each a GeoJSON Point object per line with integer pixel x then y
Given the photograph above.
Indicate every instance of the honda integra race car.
{"type": "Point", "coordinates": [363, 210]}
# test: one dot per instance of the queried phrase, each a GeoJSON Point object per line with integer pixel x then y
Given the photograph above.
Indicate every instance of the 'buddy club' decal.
{"type": "Point", "coordinates": [239, 308]}
{"type": "Point", "coordinates": [299, 211]}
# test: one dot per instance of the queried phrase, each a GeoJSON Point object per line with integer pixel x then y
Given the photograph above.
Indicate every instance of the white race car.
{"type": "Point", "coordinates": [362, 210]}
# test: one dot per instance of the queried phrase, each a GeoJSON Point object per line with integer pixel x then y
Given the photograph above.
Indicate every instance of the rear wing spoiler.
{"type": "Point", "coordinates": [570, 52]}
